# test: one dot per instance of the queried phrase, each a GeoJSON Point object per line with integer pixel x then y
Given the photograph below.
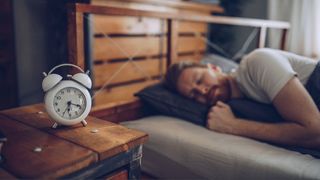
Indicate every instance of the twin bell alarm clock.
{"type": "Point", "coordinates": [67, 102]}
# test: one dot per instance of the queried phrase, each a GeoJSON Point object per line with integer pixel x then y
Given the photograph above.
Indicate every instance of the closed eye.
{"type": "Point", "coordinates": [199, 79]}
{"type": "Point", "coordinates": [196, 82]}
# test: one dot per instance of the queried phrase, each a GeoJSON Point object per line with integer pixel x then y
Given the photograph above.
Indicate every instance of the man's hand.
{"type": "Point", "coordinates": [221, 118]}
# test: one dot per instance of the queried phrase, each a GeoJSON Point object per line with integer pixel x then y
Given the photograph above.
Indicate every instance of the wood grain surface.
{"type": "Point", "coordinates": [58, 157]}
{"type": "Point", "coordinates": [65, 149]}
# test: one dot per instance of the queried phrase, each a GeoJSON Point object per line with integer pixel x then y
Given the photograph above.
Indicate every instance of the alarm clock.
{"type": "Point", "coordinates": [67, 102]}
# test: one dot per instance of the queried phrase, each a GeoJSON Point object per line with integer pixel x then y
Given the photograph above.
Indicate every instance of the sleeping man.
{"type": "Point", "coordinates": [287, 81]}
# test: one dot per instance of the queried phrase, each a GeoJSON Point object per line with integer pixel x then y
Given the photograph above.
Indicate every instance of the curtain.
{"type": "Point", "coordinates": [304, 34]}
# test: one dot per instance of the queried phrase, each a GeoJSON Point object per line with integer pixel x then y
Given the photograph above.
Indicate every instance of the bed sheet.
{"type": "Point", "coordinates": [179, 149]}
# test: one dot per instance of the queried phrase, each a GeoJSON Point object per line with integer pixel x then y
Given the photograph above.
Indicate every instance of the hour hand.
{"type": "Point", "coordinates": [67, 108]}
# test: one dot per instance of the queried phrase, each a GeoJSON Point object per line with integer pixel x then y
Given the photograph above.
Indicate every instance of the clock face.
{"type": "Point", "coordinates": [69, 103]}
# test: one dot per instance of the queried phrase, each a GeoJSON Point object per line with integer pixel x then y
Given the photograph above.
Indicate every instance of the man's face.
{"type": "Point", "coordinates": [205, 85]}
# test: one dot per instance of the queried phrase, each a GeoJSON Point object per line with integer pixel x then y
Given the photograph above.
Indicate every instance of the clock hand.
{"type": "Point", "coordinates": [65, 111]}
{"type": "Point", "coordinates": [78, 105]}
{"type": "Point", "coordinates": [68, 108]}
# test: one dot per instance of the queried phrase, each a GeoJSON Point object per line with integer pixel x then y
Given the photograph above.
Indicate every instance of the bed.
{"type": "Point", "coordinates": [193, 152]}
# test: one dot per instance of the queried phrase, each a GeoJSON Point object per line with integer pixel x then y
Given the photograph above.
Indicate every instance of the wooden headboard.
{"type": "Point", "coordinates": [128, 49]}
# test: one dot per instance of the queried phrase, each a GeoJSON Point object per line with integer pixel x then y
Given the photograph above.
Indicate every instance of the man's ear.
{"type": "Point", "coordinates": [215, 68]}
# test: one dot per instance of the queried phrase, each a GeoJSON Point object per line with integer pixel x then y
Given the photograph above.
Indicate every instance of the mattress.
{"type": "Point", "coordinates": [180, 149]}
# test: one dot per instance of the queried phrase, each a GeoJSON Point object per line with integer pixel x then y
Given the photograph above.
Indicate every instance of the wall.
{"type": "Point", "coordinates": [31, 51]}
{"type": "Point", "coordinates": [40, 43]}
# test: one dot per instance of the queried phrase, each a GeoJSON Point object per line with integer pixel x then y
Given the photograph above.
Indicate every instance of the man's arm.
{"type": "Point", "coordinates": [293, 103]}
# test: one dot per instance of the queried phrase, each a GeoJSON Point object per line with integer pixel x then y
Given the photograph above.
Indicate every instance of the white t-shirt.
{"type": "Point", "coordinates": [264, 72]}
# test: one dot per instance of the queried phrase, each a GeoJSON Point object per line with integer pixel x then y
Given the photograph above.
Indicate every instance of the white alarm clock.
{"type": "Point", "coordinates": [67, 102]}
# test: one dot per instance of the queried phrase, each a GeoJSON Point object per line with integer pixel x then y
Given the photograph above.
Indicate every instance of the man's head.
{"type": "Point", "coordinates": [203, 83]}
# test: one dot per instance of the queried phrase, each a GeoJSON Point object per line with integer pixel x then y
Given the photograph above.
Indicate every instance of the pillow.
{"type": "Point", "coordinates": [168, 103]}
{"type": "Point", "coordinates": [165, 102]}
{"type": "Point", "coordinates": [226, 65]}
{"type": "Point", "coordinates": [252, 110]}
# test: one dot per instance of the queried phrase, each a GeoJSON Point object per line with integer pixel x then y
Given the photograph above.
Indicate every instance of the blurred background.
{"type": "Point", "coordinates": [33, 38]}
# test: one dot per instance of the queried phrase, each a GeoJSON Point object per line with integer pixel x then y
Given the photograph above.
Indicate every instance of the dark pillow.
{"type": "Point", "coordinates": [252, 110]}
{"type": "Point", "coordinates": [168, 103]}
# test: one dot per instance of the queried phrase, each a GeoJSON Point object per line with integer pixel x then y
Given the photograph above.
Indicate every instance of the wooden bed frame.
{"type": "Point", "coordinates": [93, 29]}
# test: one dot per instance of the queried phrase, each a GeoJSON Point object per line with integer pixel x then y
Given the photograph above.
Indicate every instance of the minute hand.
{"type": "Point", "coordinates": [65, 110]}
{"type": "Point", "coordinates": [78, 105]}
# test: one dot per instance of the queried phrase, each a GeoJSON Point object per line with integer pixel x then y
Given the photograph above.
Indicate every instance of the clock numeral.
{"type": "Point", "coordinates": [58, 97]}
{"type": "Point", "coordinates": [62, 92]}
{"type": "Point", "coordinates": [58, 110]}
{"type": "Point", "coordinates": [68, 90]}
{"type": "Point", "coordinates": [56, 104]}
{"type": "Point", "coordinates": [76, 112]}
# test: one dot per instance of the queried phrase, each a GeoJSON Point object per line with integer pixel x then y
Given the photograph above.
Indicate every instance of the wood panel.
{"type": "Point", "coordinates": [76, 38]}
{"type": "Point", "coordinates": [120, 139]}
{"type": "Point", "coordinates": [134, 5]}
{"type": "Point", "coordinates": [119, 111]}
{"type": "Point", "coordinates": [24, 109]}
{"type": "Point", "coordinates": [133, 25]}
{"type": "Point", "coordinates": [191, 57]}
{"type": "Point", "coordinates": [121, 93]}
{"type": "Point", "coordinates": [50, 162]}
{"type": "Point", "coordinates": [127, 71]}
{"type": "Point", "coordinates": [118, 48]}
{"type": "Point", "coordinates": [124, 47]}
{"type": "Point", "coordinates": [163, 5]}
{"type": "Point", "coordinates": [191, 27]}
{"type": "Point", "coordinates": [250, 22]}
{"type": "Point", "coordinates": [127, 25]}
{"type": "Point", "coordinates": [127, 115]}
{"type": "Point", "coordinates": [79, 136]}
{"type": "Point", "coordinates": [65, 150]}
{"type": "Point", "coordinates": [191, 44]}
{"type": "Point", "coordinates": [81, 8]}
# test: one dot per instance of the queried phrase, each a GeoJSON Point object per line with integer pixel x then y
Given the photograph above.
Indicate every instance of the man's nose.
{"type": "Point", "coordinates": [202, 89]}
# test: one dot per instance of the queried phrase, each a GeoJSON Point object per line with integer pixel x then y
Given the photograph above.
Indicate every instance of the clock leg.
{"type": "Point", "coordinates": [55, 125]}
{"type": "Point", "coordinates": [84, 123]}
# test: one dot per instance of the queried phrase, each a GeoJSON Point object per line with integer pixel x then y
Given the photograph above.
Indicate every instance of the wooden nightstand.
{"type": "Point", "coordinates": [67, 152]}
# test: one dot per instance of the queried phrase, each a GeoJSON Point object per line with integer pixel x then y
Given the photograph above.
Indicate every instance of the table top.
{"type": "Point", "coordinates": [63, 150]}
